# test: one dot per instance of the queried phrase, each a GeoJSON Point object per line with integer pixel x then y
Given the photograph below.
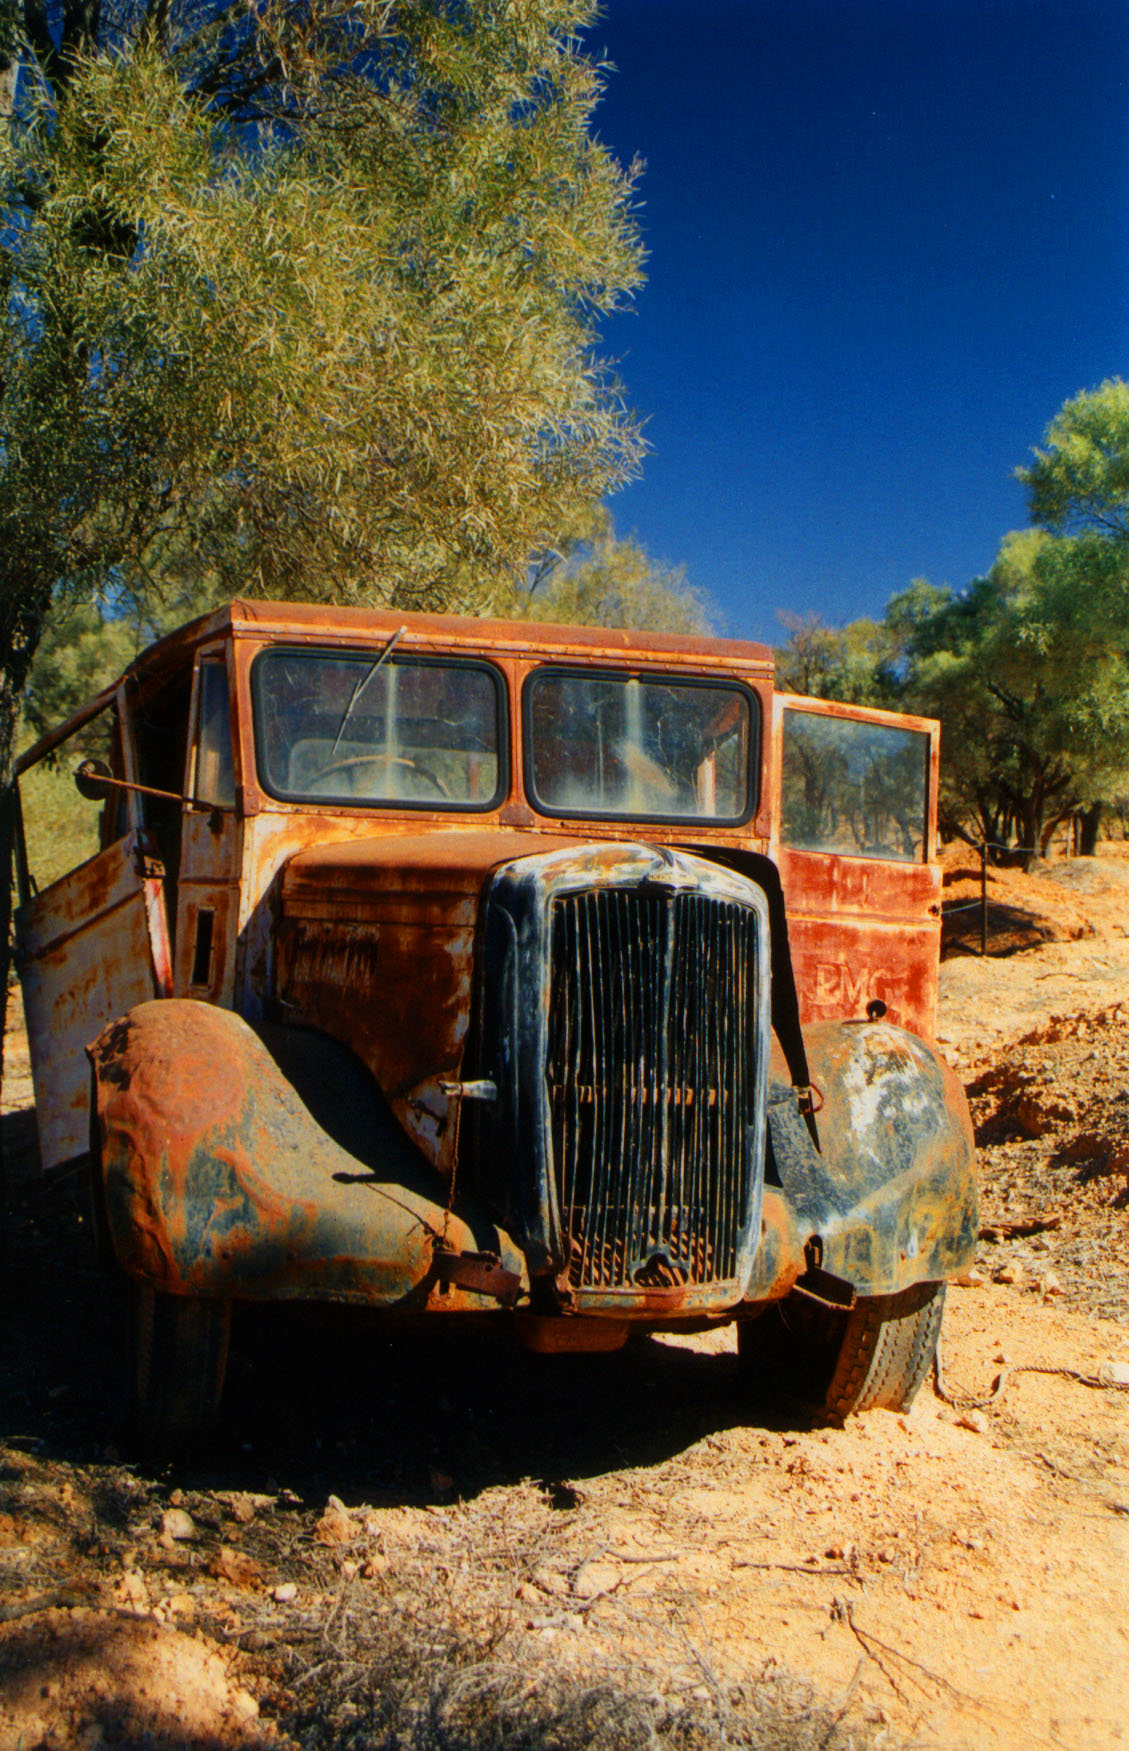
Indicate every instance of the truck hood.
{"type": "Point", "coordinates": [376, 946]}
{"type": "Point", "coordinates": [439, 876]}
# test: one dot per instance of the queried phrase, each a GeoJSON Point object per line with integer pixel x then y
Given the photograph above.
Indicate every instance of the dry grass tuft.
{"type": "Point", "coordinates": [427, 1671]}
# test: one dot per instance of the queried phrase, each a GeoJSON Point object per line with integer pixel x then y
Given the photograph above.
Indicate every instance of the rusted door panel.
{"type": "Point", "coordinates": [209, 846]}
{"type": "Point", "coordinates": [90, 946]}
{"type": "Point", "coordinates": [860, 930]}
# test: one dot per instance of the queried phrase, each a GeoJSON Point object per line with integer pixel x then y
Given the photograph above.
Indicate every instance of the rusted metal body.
{"type": "Point", "coordinates": [219, 1181]}
{"type": "Point", "coordinates": [93, 945]}
{"type": "Point", "coordinates": [376, 1023]}
{"type": "Point", "coordinates": [862, 928]}
{"type": "Point", "coordinates": [889, 1196]}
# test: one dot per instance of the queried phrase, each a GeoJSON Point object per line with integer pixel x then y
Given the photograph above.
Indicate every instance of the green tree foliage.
{"type": "Point", "coordinates": [855, 663]}
{"type": "Point", "coordinates": [81, 652]}
{"type": "Point", "coordinates": [1078, 489]}
{"type": "Point", "coordinates": [1034, 703]}
{"type": "Point", "coordinates": [1027, 668]}
{"type": "Point", "coordinates": [301, 299]}
{"type": "Point", "coordinates": [1078, 485]}
{"type": "Point", "coordinates": [592, 577]}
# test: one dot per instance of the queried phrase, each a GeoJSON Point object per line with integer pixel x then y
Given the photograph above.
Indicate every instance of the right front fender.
{"type": "Point", "coordinates": [219, 1181]}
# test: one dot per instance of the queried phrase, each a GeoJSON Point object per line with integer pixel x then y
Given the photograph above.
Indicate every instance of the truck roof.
{"type": "Point", "coordinates": [353, 626]}
{"type": "Point", "coordinates": [314, 620]}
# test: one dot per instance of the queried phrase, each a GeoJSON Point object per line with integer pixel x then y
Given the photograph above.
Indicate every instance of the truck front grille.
{"type": "Point", "coordinates": [651, 1085]}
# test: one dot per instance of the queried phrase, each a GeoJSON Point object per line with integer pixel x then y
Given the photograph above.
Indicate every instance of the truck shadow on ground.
{"type": "Point", "coordinates": [320, 1403]}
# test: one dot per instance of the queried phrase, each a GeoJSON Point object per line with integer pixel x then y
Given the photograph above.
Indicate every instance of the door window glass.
{"type": "Point", "coordinates": [214, 779]}
{"type": "Point", "coordinates": [857, 788]}
{"type": "Point", "coordinates": [62, 829]}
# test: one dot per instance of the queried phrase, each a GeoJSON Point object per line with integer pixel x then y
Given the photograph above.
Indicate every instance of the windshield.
{"type": "Point", "coordinates": [414, 732]}
{"type": "Point", "coordinates": [857, 788]}
{"type": "Point", "coordinates": [637, 747]}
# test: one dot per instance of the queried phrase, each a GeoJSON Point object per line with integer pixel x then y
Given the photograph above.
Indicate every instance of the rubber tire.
{"type": "Point", "coordinates": [887, 1351]}
{"type": "Point", "coordinates": [835, 1362]}
{"type": "Point", "coordinates": [180, 1348]}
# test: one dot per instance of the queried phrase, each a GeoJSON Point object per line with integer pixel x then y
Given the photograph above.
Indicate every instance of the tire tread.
{"type": "Point", "coordinates": [836, 1362]}
{"type": "Point", "coordinates": [180, 1359]}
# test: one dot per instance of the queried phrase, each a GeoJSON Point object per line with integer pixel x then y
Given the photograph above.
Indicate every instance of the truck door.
{"type": "Point", "coordinates": [92, 935]}
{"type": "Point", "coordinates": [855, 842]}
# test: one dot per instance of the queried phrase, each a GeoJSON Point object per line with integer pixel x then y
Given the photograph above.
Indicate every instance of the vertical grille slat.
{"type": "Point", "coordinates": [635, 1061]}
{"type": "Point", "coordinates": [724, 1123]}
{"type": "Point", "coordinates": [681, 1116]}
{"type": "Point", "coordinates": [599, 1109]}
{"type": "Point", "coordinates": [651, 1084]}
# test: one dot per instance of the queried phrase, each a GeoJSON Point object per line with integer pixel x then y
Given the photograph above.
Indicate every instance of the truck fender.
{"type": "Point", "coordinates": [888, 1199]}
{"type": "Point", "coordinates": [219, 1180]}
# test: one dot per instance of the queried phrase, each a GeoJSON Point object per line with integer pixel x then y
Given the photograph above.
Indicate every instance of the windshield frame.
{"type": "Point", "coordinates": [656, 677]}
{"type": "Point", "coordinates": [329, 803]}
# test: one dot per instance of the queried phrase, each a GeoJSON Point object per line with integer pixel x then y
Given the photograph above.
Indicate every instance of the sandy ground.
{"type": "Point", "coordinates": [957, 1576]}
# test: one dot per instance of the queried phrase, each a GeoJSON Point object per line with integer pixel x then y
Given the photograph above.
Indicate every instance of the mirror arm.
{"type": "Point", "coordinates": [92, 783]}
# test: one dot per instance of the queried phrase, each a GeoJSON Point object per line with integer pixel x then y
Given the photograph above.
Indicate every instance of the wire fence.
{"type": "Point", "coordinates": [981, 905]}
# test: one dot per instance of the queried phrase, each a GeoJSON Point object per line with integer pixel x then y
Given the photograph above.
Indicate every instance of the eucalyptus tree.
{"type": "Point", "coordinates": [1078, 483]}
{"type": "Point", "coordinates": [590, 576]}
{"type": "Point", "coordinates": [855, 662]}
{"type": "Point", "coordinates": [1078, 492]}
{"type": "Point", "coordinates": [301, 298]}
{"type": "Point", "coordinates": [1034, 701]}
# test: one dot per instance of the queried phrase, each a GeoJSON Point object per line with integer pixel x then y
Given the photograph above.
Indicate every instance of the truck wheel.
{"type": "Point", "coordinates": [873, 1357]}
{"type": "Point", "coordinates": [180, 1358]}
{"type": "Point", "coordinates": [887, 1350]}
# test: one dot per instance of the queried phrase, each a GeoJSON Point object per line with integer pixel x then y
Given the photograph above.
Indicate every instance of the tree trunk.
{"type": "Point", "coordinates": [1090, 821]}
{"type": "Point", "coordinates": [9, 80]}
{"type": "Point", "coordinates": [9, 711]}
{"type": "Point", "coordinates": [1029, 821]}
{"type": "Point", "coordinates": [1051, 827]}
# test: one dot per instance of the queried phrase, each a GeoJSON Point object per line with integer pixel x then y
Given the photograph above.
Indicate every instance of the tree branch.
{"type": "Point", "coordinates": [39, 36]}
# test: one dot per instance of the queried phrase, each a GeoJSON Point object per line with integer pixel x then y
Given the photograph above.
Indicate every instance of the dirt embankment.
{"type": "Point", "coordinates": [428, 1544]}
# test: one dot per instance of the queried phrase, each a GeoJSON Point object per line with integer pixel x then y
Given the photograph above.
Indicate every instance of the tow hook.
{"type": "Point", "coordinates": [483, 1273]}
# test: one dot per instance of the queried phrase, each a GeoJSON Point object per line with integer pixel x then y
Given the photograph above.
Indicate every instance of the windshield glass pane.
{"type": "Point", "coordinates": [618, 745]}
{"type": "Point", "coordinates": [860, 789]}
{"type": "Point", "coordinates": [347, 728]}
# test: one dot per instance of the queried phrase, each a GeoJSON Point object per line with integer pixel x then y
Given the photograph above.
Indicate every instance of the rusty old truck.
{"type": "Point", "coordinates": [573, 980]}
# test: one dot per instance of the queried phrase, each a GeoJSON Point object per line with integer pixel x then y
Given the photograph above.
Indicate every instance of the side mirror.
{"type": "Point", "coordinates": [93, 780]}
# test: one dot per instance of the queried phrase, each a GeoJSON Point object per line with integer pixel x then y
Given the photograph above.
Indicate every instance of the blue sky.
{"type": "Point", "coordinates": [888, 238]}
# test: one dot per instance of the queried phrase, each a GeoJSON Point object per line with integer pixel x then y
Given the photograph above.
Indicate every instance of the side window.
{"type": "Point", "coordinates": [854, 787]}
{"type": "Point", "coordinates": [61, 828]}
{"type": "Point", "coordinates": [160, 726]}
{"type": "Point", "coordinates": [213, 777]}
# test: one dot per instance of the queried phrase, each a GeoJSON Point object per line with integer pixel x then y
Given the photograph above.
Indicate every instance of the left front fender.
{"type": "Point", "coordinates": [889, 1197]}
